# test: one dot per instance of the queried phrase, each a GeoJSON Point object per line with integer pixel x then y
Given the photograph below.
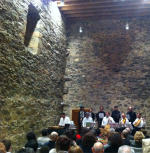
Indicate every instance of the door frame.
{"type": "Point", "coordinates": [75, 109]}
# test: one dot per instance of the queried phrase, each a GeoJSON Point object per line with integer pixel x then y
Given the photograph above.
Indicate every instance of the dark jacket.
{"type": "Point", "coordinates": [116, 115]}
{"type": "Point", "coordinates": [93, 116]}
{"type": "Point", "coordinates": [85, 149]}
{"type": "Point", "coordinates": [126, 142]}
{"type": "Point", "coordinates": [50, 144]}
{"type": "Point", "coordinates": [79, 116]}
{"type": "Point", "coordinates": [98, 118]}
{"type": "Point", "coordinates": [132, 116]}
{"type": "Point", "coordinates": [134, 144]}
{"type": "Point", "coordinates": [112, 149]}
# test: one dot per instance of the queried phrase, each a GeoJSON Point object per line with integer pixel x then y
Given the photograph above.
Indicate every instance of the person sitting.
{"type": "Point", "coordinates": [7, 144]}
{"type": "Point", "coordinates": [44, 149]}
{"type": "Point", "coordinates": [52, 141]}
{"type": "Point", "coordinates": [137, 142]}
{"type": "Point", "coordinates": [2, 148]}
{"type": "Point", "coordinates": [124, 120]}
{"type": "Point", "coordinates": [145, 133]}
{"type": "Point", "coordinates": [109, 138]}
{"type": "Point", "coordinates": [98, 148]}
{"type": "Point", "coordinates": [86, 119]}
{"type": "Point", "coordinates": [129, 137]}
{"type": "Point", "coordinates": [75, 149]}
{"type": "Point", "coordinates": [32, 142]}
{"type": "Point", "coordinates": [115, 141]}
{"type": "Point", "coordinates": [71, 134]}
{"type": "Point", "coordinates": [87, 142]}
{"type": "Point", "coordinates": [124, 135]}
{"type": "Point", "coordinates": [64, 120]}
{"type": "Point", "coordinates": [139, 123]}
{"type": "Point", "coordinates": [84, 131]}
{"type": "Point", "coordinates": [25, 150]}
{"type": "Point", "coordinates": [125, 149]}
{"type": "Point", "coordinates": [44, 138]}
{"type": "Point", "coordinates": [107, 119]}
{"type": "Point", "coordinates": [103, 138]}
{"type": "Point", "coordinates": [62, 145]}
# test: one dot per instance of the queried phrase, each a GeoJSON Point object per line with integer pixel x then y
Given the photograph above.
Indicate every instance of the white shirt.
{"type": "Point", "coordinates": [142, 123]}
{"type": "Point", "coordinates": [105, 120]}
{"type": "Point", "coordinates": [64, 121]}
{"type": "Point", "coordinates": [121, 122]}
{"type": "Point", "coordinates": [89, 119]}
{"type": "Point", "coordinates": [43, 139]}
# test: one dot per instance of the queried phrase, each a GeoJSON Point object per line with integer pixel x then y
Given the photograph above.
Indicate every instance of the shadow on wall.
{"type": "Point", "coordinates": [32, 19]}
{"type": "Point", "coordinates": [114, 48]}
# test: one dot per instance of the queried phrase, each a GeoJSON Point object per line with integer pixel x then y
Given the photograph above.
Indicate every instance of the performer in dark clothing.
{"type": "Point", "coordinates": [131, 115]}
{"type": "Point", "coordinates": [116, 114]}
{"type": "Point", "coordinates": [81, 116]}
{"type": "Point", "coordinates": [100, 115]}
{"type": "Point", "coordinates": [92, 115]}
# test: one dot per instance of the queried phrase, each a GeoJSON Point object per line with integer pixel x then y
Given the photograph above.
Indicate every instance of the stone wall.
{"type": "Point", "coordinates": [31, 75]}
{"type": "Point", "coordinates": [109, 65]}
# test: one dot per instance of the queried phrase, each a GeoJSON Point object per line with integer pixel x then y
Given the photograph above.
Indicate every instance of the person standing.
{"type": "Point", "coordinates": [92, 115]}
{"type": "Point", "coordinates": [131, 115]}
{"type": "Point", "coordinates": [116, 114]}
{"type": "Point", "coordinates": [100, 115]}
{"type": "Point", "coordinates": [81, 116]}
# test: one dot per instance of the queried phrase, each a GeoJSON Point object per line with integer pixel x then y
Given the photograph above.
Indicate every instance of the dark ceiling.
{"type": "Point", "coordinates": [103, 9]}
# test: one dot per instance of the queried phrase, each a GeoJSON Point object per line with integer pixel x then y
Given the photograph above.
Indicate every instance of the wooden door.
{"type": "Point", "coordinates": [75, 116]}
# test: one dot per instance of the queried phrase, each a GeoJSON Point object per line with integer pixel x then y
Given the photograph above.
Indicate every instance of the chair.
{"type": "Point", "coordinates": [146, 145]}
{"type": "Point", "coordinates": [137, 150]}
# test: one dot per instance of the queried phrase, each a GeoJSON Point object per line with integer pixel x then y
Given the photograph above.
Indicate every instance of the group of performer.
{"type": "Point", "coordinates": [104, 118]}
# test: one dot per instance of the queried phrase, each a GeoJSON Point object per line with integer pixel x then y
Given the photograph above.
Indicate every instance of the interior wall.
{"type": "Point", "coordinates": [108, 65]}
{"type": "Point", "coordinates": [31, 76]}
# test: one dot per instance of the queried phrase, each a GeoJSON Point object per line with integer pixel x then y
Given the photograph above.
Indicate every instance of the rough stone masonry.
{"type": "Point", "coordinates": [109, 65]}
{"type": "Point", "coordinates": [31, 74]}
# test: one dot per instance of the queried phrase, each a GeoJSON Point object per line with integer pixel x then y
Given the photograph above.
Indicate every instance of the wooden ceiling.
{"type": "Point", "coordinates": [103, 9]}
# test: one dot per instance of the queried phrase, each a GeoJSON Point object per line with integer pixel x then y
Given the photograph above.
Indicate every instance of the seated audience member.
{"type": "Point", "coordinates": [25, 150]}
{"type": "Point", "coordinates": [71, 134]}
{"type": "Point", "coordinates": [103, 139]}
{"type": "Point", "coordinates": [52, 141]}
{"type": "Point", "coordinates": [88, 141]}
{"type": "Point", "coordinates": [2, 148]}
{"type": "Point", "coordinates": [7, 144]}
{"type": "Point", "coordinates": [109, 137]}
{"type": "Point", "coordinates": [125, 149]}
{"type": "Point", "coordinates": [98, 132]}
{"type": "Point", "coordinates": [62, 145]}
{"type": "Point", "coordinates": [84, 131]}
{"type": "Point", "coordinates": [75, 149]}
{"type": "Point", "coordinates": [44, 149]}
{"type": "Point", "coordinates": [115, 141]}
{"type": "Point", "coordinates": [44, 137]}
{"type": "Point", "coordinates": [145, 133]}
{"type": "Point", "coordinates": [98, 148]}
{"type": "Point", "coordinates": [124, 135]}
{"type": "Point", "coordinates": [32, 142]}
{"type": "Point", "coordinates": [129, 137]}
{"type": "Point", "coordinates": [137, 142]}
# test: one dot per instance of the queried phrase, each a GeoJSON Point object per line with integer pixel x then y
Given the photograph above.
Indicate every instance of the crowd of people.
{"type": "Point", "coordinates": [89, 141]}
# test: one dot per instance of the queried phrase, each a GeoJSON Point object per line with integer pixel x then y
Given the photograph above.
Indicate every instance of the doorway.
{"type": "Point", "coordinates": [74, 116]}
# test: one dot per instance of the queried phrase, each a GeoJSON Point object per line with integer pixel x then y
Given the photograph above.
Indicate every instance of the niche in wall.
{"type": "Point", "coordinates": [31, 35]}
